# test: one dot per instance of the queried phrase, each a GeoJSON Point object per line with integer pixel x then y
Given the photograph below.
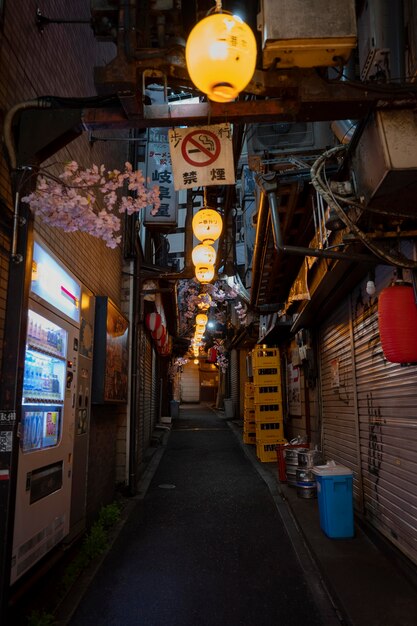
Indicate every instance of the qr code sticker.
{"type": "Point", "coordinates": [6, 441]}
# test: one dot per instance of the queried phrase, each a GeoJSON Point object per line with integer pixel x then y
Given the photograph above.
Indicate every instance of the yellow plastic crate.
{"type": "Point", "coordinates": [249, 414]}
{"type": "Point", "coordinates": [270, 412]}
{"type": "Point", "coordinates": [249, 424]}
{"type": "Point", "coordinates": [265, 357]}
{"type": "Point", "coordinates": [268, 393]}
{"type": "Point", "coordinates": [249, 403]}
{"type": "Point", "coordinates": [249, 438]}
{"type": "Point", "coordinates": [249, 390]}
{"type": "Point", "coordinates": [266, 452]}
{"type": "Point", "coordinates": [267, 376]}
{"type": "Point", "coordinates": [269, 431]}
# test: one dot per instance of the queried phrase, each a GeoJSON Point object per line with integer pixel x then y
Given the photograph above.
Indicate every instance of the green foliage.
{"type": "Point", "coordinates": [109, 515]}
{"type": "Point", "coordinates": [94, 545]}
{"type": "Point", "coordinates": [96, 541]}
{"type": "Point", "coordinates": [39, 618]}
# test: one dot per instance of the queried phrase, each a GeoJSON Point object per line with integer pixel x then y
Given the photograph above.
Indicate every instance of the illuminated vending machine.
{"type": "Point", "coordinates": [49, 410]}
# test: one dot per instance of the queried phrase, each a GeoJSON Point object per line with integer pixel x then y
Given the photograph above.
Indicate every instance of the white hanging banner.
{"type": "Point", "coordinates": [202, 156]}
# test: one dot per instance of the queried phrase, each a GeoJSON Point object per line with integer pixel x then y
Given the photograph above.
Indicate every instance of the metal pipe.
{"type": "Point", "coordinates": [269, 185]}
{"type": "Point", "coordinates": [260, 241]}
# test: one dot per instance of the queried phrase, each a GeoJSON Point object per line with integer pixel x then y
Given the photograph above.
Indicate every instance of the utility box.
{"type": "Point", "coordinates": [385, 162]}
{"type": "Point", "coordinates": [296, 33]}
{"type": "Point", "coordinates": [335, 498]}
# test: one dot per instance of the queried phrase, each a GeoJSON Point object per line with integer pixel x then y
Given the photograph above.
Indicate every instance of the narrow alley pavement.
{"type": "Point", "coordinates": [212, 543]}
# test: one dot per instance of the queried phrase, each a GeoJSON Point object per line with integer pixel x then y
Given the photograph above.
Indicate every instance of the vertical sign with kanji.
{"type": "Point", "coordinates": [202, 156]}
{"type": "Point", "coordinates": [159, 172]}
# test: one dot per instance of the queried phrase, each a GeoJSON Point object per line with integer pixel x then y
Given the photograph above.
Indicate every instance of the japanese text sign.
{"type": "Point", "coordinates": [202, 156]}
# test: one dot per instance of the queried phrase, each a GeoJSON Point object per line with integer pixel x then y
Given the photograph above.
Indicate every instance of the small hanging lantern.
{"type": "Point", "coordinates": [159, 333]}
{"type": "Point", "coordinates": [204, 273]}
{"type": "Point", "coordinates": [221, 55]}
{"type": "Point", "coordinates": [204, 301]}
{"type": "Point", "coordinates": [201, 318]}
{"type": "Point", "coordinates": [397, 319]}
{"type": "Point", "coordinates": [207, 225]}
{"type": "Point", "coordinates": [203, 253]}
{"type": "Point", "coordinates": [153, 321]}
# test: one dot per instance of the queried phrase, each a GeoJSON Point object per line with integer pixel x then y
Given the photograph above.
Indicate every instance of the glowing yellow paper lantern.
{"type": "Point", "coordinates": [201, 318]}
{"type": "Point", "coordinates": [204, 301]}
{"type": "Point", "coordinates": [204, 273]}
{"type": "Point", "coordinates": [203, 253]}
{"type": "Point", "coordinates": [196, 361]}
{"type": "Point", "coordinates": [221, 56]}
{"type": "Point", "coordinates": [207, 225]}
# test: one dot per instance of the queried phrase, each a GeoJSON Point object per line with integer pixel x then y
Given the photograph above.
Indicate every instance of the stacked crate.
{"type": "Point", "coordinates": [249, 435]}
{"type": "Point", "coordinates": [269, 416]}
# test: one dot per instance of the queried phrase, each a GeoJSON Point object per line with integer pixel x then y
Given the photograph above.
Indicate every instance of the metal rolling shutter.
{"type": "Point", "coordinates": [339, 426]}
{"type": "Point", "coordinates": [234, 379]}
{"type": "Point", "coordinates": [387, 410]}
{"type": "Point", "coordinates": [144, 392]}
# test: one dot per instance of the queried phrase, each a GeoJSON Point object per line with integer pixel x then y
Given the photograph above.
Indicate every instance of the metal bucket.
{"type": "Point", "coordinates": [306, 483]}
{"type": "Point", "coordinates": [309, 458]}
{"type": "Point", "coordinates": [291, 464]}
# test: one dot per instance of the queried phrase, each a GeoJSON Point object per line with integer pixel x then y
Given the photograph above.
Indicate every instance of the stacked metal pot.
{"type": "Point", "coordinates": [299, 463]}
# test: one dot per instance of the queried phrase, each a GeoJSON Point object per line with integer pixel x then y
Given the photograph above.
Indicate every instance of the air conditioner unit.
{"type": "Point", "coordinates": [296, 33]}
{"type": "Point", "coordinates": [380, 34]}
{"type": "Point", "coordinates": [385, 162]}
{"type": "Point", "coordinates": [288, 138]}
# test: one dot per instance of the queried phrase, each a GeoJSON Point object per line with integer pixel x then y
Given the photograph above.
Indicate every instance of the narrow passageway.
{"type": "Point", "coordinates": [206, 545]}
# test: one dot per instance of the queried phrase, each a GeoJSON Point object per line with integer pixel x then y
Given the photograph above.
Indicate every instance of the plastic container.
{"type": "Point", "coordinates": [229, 410]}
{"type": "Point", "coordinates": [335, 498]}
{"type": "Point", "coordinates": [174, 406]}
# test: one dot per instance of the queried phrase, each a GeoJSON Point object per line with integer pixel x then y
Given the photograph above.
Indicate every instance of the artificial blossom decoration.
{"type": "Point", "coordinates": [222, 360]}
{"type": "Point", "coordinates": [87, 200]}
{"type": "Point", "coordinates": [176, 366]}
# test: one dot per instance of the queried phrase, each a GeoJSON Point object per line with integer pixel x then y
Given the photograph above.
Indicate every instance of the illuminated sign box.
{"type": "Point", "coordinates": [111, 352]}
{"type": "Point", "coordinates": [54, 285]}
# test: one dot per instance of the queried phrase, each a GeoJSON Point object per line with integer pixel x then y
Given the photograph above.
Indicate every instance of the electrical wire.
{"type": "Point", "coordinates": [325, 191]}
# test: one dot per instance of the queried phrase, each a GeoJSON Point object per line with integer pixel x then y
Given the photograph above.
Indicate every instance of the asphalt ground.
{"type": "Point", "coordinates": [206, 545]}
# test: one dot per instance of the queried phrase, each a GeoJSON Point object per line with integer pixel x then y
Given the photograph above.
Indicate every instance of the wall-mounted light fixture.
{"type": "Point", "coordinates": [221, 55]}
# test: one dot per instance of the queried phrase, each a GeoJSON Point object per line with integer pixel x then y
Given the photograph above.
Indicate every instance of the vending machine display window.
{"type": "Point", "coordinates": [41, 427]}
{"type": "Point", "coordinates": [43, 384]}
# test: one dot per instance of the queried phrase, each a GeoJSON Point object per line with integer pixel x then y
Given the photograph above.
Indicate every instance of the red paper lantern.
{"type": "Point", "coordinates": [212, 355]}
{"type": "Point", "coordinates": [159, 333]}
{"type": "Point", "coordinates": [163, 339]}
{"type": "Point", "coordinates": [153, 321]}
{"type": "Point", "coordinates": [397, 319]}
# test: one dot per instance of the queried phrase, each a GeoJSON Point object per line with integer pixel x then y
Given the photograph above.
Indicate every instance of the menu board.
{"type": "Point", "coordinates": [111, 353]}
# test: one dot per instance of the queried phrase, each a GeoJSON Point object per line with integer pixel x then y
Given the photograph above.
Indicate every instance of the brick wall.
{"type": "Point", "coordinates": [60, 61]}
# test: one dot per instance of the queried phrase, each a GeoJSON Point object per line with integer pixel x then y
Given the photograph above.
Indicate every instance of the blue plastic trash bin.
{"type": "Point", "coordinates": [335, 498]}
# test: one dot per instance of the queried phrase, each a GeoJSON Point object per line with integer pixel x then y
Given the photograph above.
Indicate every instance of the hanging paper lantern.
{"type": "Point", "coordinates": [397, 319]}
{"type": "Point", "coordinates": [153, 321]}
{"type": "Point", "coordinates": [204, 301]}
{"type": "Point", "coordinates": [207, 225]}
{"type": "Point", "coordinates": [159, 333]}
{"type": "Point", "coordinates": [221, 55]}
{"type": "Point", "coordinates": [212, 355]}
{"type": "Point", "coordinates": [162, 340]}
{"type": "Point", "coordinates": [201, 318]}
{"type": "Point", "coordinates": [204, 273]}
{"type": "Point", "coordinates": [203, 253]}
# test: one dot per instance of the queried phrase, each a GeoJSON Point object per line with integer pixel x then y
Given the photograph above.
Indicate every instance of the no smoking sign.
{"type": "Point", "coordinates": [202, 156]}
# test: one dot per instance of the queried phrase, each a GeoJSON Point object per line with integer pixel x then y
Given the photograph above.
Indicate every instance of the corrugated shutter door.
{"type": "Point", "coordinates": [190, 383]}
{"type": "Point", "coordinates": [338, 393]}
{"type": "Point", "coordinates": [144, 393]}
{"type": "Point", "coordinates": [234, 379]}
{"type": "Point", "coordinates": [387, 406]}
